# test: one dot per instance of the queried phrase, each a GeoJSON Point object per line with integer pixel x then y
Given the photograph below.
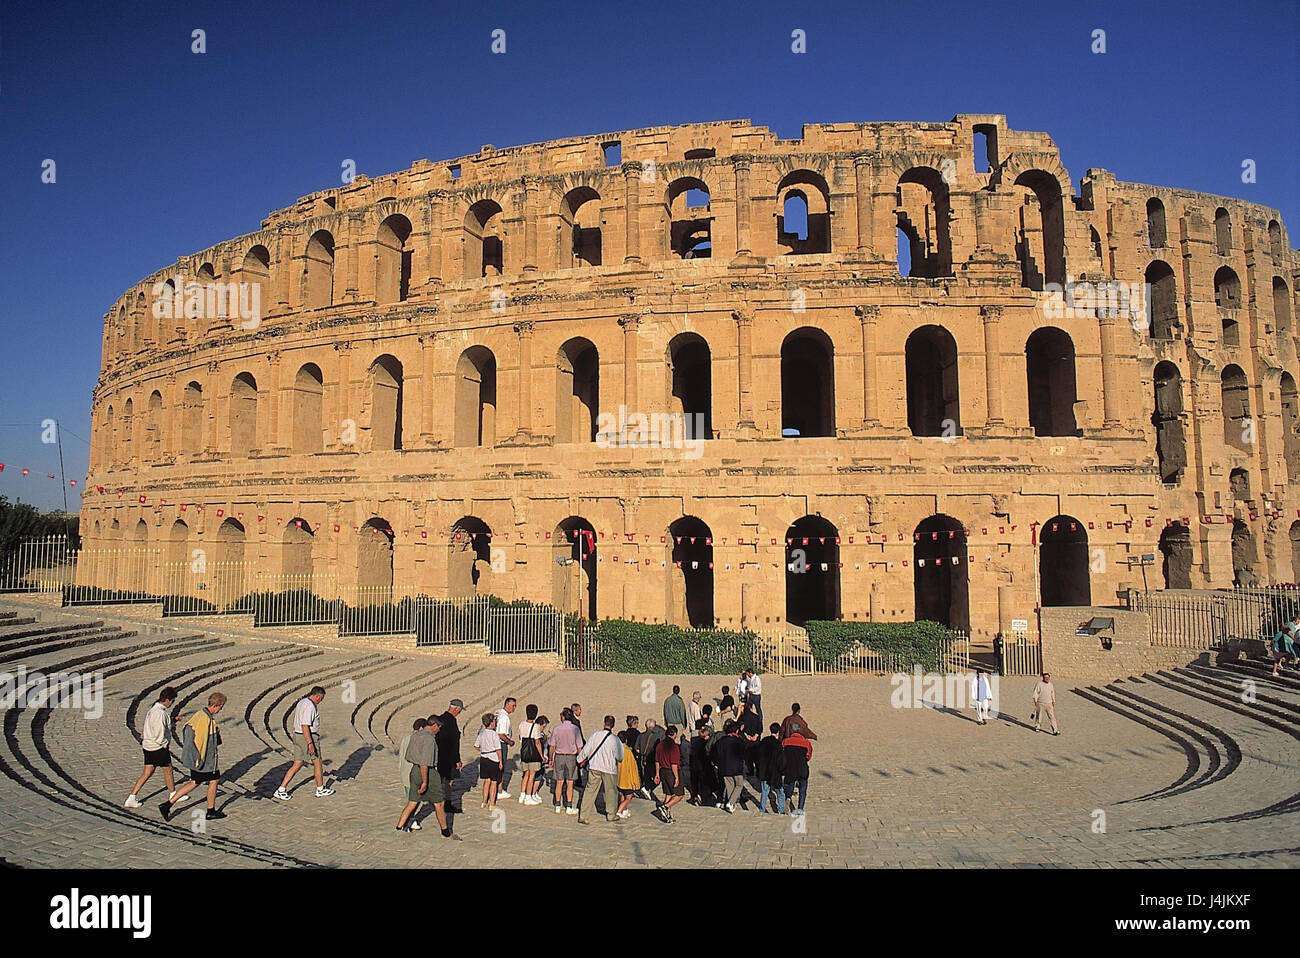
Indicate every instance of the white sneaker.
{"type": "Point", "coordinates": [503, 794]}
{"type": "Point", "coordinates": [131, 802]}
{"type": "Point", "coordinates": [282, 795]}
{"type": "Point", "coordinates": [415, 826]}
{"type": "Point", "coordinates": [523, 799]}
{"type": "Point", "coordinates": [178, 800]}
{"type": "Point", "coordinates": [626, 813]}
{"type": "Point", "coordinates": [559, 809]}
{"type": "Point", "coordinates": [323, 792]}
{"type": "Point", "coordinates": [571, 811]}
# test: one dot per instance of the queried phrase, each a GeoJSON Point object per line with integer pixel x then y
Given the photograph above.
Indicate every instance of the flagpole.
{"type": "Point", "coordinates": [58, 435]}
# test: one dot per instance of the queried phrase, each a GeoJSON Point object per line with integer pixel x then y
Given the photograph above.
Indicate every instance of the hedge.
{"type": "Point", "coordinates": [921, 643]}
{"type": "Point", "coordinates": [623, 646]}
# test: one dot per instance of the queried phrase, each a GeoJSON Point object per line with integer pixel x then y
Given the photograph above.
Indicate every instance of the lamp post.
{"type": "Point", "coordinates": [1142, 561]}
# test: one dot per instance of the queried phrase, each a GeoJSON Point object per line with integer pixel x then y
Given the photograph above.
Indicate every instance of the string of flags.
{"type": "Point", "coordinates": [49, 475]}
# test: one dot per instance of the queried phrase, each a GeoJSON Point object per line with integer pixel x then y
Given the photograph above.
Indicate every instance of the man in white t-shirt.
{"type": "Point", "coordinates": [756, 694]}
{"type": "Point", "coordinates": [503, 732]}
{"type": "Point", "coordinates": [306, 734]}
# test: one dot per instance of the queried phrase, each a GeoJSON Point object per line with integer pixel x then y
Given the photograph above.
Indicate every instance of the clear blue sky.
{"type": "Point", "coordinates": [161, 152]}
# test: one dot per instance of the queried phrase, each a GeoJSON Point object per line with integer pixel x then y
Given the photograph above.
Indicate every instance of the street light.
{"type": "Point", "coordinates": [1143, 561]}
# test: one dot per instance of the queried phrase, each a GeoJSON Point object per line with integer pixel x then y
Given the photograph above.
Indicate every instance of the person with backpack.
{"type": "Point", "coordinates": [530, 757]}
{"type": "Point", "coordinates": [200, 756]}
{"type": "Point", "coordinates": [771, 770]}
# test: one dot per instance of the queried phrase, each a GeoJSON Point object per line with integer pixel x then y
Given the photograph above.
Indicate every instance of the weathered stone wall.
{"type": "Point", "coordinates": [434, 345]}
{"type": "Point", "coordinates": [1071, 656]}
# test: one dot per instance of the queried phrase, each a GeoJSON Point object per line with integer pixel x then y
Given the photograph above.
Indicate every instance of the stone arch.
{"type": "Point", "coordinates": [941, 572]}
{"type": "Point", "coordinates": [690, 228]}
{"type": "Point", "coordinates": [1176, 552]}
{"type": "Point", "coordinates": [318, 271]}
{"type": "Point", "coordinates": [1063, 562]}
{"type": "Point", "coordinates": [577, 391]}
{"type": "Point", "coordinates": [1049, 362]}
{"type": "Point", "coordinates": [1238, 427]}
{"type": "Point", "coordinates": [484, 240]}
{"type": "Point", "coordinates": [1050, 201]}
{"type": "Point", "coordinates": [385, 381]}
{"type": "Point", "coordinates": [808, 189]}
{"type": "Point", "coordinates": [1290, 425]}
{"type": "Point", "coordinates": [1275, 241]}
{"type": "Point", "coordinates": [923, 213]}
{"type": "Point", "coordinates": [375, 562]}
{"type": "Point", "coordinates": [393, 254]}
{"type": "Point", "coordinates": [1222, 232]}
{"type": "Point", "coordinates": [155, 426]}
{"type": "Point", "coordinates": [308, 410]}
{"type": "Point", "coordinates": [1163, 307]}
{"type": "Point", "coordinates": [108, 441]}
{"type": "Point", "coordinates": [470, 552]}
{"type": "Point", "coordinates": [296, 559]}
{"type": "Point", "coordinates": [1227, 288]}
{"type": "Point", "coordinates": [1245, 556]}
{"type": "Point", "coordinates": [192, 418]}
{"type": "Point", "coordinates": [140, 320]}
{"type": "Point", "coordinates": [1157, 235]}
{"type": "Point", "coordinates": [157, 325]}
{"type": "Point", "coordinates": [811, 591]}
{"type": "Point", "coordinates": [1281, 307]}
{"type": "Point", "coordinates": [476, 397]}
{"type": "Point", "coordinates": [230, 542]}
{"type": "Point", "coordinates": [691, 363]}
{"type": "Point", "coordinates": [574, 551]}
{"type": "Point", "coordinates": [256, 270]}
{"type": "Point", "coordinates": [807, 384]}
{"type": "Point", "coordinates": [128, 430]}
{"type": "Point", "coordinates": [1171, 445]}
{"type": "Point", "coordinates": [581, 242]}
{"type": "Point", "coordinates": [176, 570]}
{"type": "Point", "coordinates": [933, 390]}
{"type": "Point", "coordinates": [690, 549]}
{"type": "Point", "coordinates": [243, 414]}
{"type": "Point", "coordinates": [1094, 238]}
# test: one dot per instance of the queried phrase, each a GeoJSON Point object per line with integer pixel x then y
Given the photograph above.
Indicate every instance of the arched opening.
{"type": "Point", "coordinates": [230, 543]}
{"type": "Point", "coordinates": [1095, 238]}
{"type": "Point", "coordinates": [941, 572]}
{"type": "Point", "coordinates": [1171, 446]}
{"type": "Point", "coordinates": [385, 375]}
{"type": "Point", "coordinates": [192, 419]}
{"type": "Point", "coordinates": [318, 271]}
{"type": "Point", "coordinates": [573, 571]}
{"type": "Point", "coordinates": [484, 240]}
{"type": "Point", "coordinates": [1295, 552]}
{"type": "Point", "coordinates": [1049, 359]}
{"type": "Point", "coordinates": [692, 384]}
{"type": "Point", "coordinates": [577, 391]}
{"type": "Point", "coordinates": [108, 441]}
{"type": "Point", "coordinates": [476, 397]}
{"type": "Point", "coordinates": [141, 319]}
{"type": "Point", "coordinates": [812, 571]}
{"type": "Point", "coordinates": [690, 222]}
{"type": "Point", "coordinates": [580, 239]}
{"type": "Point", "coordinates": [933, 397]}
{"type": "Point", "coordinates": [154, 426]}
{"type": "Point", "coordinates": [1163, 307]}
{"type": "Point", "coordinates": [243, 415]}
{"type": "Point", "coordinates": [1238, 427]}
{"type": "Point", "coordinates": [807, 384]}
{"type": "Point", "coordinates": [1222, 231]}
{"type": "Point", "coordinates": [803, 223]}
{"type": "Point", "coordinates": [160, 326]}
{"type": "Point", "coordinates": [375, 562]}
{"type": "Point", "coordinates": [256, 272]}
{"type": "Point", "coordinates": [128, 430]}
{"type": "Point", "coordinates": [1156, 236]}
{"type": "Point", "coordinates": [1227, 288]}
{"type": "Point", "coordinates": [691, 593]}
{"type": "Point", "coordinates": [393, 260]}
{"type": "Point", "coordinates": [1044, 232]}
{"type": "Point", "coordinates": [308, 410]}
{"type": "Point", "coordinates": [469, 557]}
{"type": "Point", "coordinates": [1275, 240]}
{"type": "Point", "coordinates": [1239, 484]}
{"type": "Point", "coordinates": [923, 213]}
{"type": "Point", "coordinates": [296, 556]}
{"type": "Point", "coordinates": [1290, 426]}
{"type": "Point", "coordinates": [1244, 556]}
{"type": "Point", "coordinates": [1176, 553]}
{"type": "Point", "coordinates": [1281, 307]}
{"type": "Point", "coordinates": [178, 554]}
{"type": "Point", "coordinates": [1063, 567]}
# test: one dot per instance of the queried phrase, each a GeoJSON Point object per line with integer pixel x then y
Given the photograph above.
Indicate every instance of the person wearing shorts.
{"type": "Point", "coordinates": [531, 734]}
{"type": "Point", "coordinates": [563, 748]}
{"type": "Point", "coordinates": [423, 782]}
{"type": "Point", "coordinates": [490, 765]}
{"type": "Point", "coordinates": [201, 756]}
{"type": "Point", "coordinates": [668, 773]}
{"type": "Point", "coordinates": [306, 736]}
{"type": "Point", "coordinates": [156, 739]}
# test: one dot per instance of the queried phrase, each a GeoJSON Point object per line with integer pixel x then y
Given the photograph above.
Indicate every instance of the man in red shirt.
{"type": "Point", "coordinates": [668, 773]}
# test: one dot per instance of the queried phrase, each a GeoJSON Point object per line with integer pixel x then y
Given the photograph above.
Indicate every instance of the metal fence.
{"type": "Point", "coordinates": [1206, 618]}
{"type": "Point", "coordinates": [42, 564]}
{"type": "Point", "coordinates": [1024, 657]}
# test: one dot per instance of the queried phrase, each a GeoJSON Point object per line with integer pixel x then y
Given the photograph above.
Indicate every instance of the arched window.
{"type": "Point", "coordinates": [484, 240]}
{"type": "Point", "coordinates": [1238, 427]}
{"type": "Point", "coordinates": [690, 220]}
{"type": "Point", "coordinates": [476, 397]}
{"type": "Point", "coordinates": [1162, 309]}
{"type": "Point", "coordinates": [1171, 446]}
{"type": "Point", "coordinates": [1063, 566]}
{"type": "Point", "coordinates": [692, 384]}
{"type": "Point", "coordinates": [573, 571]}
{"type": "Point", "coordinates": [941, 572]}
{"type": "Point", "coordinates": [807, 384]}
{"type": "Point", "coordinates": [1245, 556]}
{"type": "Point", "coordinates": [933, 396]}
{"type": "Point", "coordinates": [690, 548]}
{"type": "Point", "coordinates": [1176, 553]}
{"type": "Point", "coordinates": [155, 427]}
{"type": "Point", "coordinates": [375, 563]}
{"type": "Point", "coordinates": [923, 214]}
{"type": "Point", "coordinates": [1045, 231]}
{"type": "Point", "coordinates": [230, 542]}
{"type": "Point", "coordinates": [812, 576]}
{"type": "Point", "coordinates": [1222, 231]}
{"type": "Point", "coordinates": [393, 260]}
{"type": "Point", "coordinates": [296, 558]}
{"type": "Point", "coordinates": [308, 410]}
{"type": "Point", "coordinates": [1095, 238]}
{"type": "Point", "coordinates": [161, 327]}
{"type": "Point", "coordinates": [577, 391]}
{"type": "Point", "coordinates": [385, 376]}
{"type": "Point", "coordinates": [580, 235]}
{"type": "Point", "coordinates": [1281, 307]}
{"type": "Point", "coordinates": [469, 556]}
{"type": "Point", "coordinates": [1049, 359]}
{"type": "Point", "coordinates": [1275, 240]}
{"type": "Point", "coordinates": [243, 414]}
{"type": "Point", "coordinates": [1291, 426]}
{"type": "Point", "coordinates": [1156, 236]}
{"type": "Point", "coordinates": [803, 221]}
{"type": "Point", "coordinates": [128, 430]}
{"type": "Point", "coordinates": [318, 271]}
{"type": "Point", "coordinates": [178, 554]}
{"type": "Point", "coordinates": [108, 441]}
{"type": "Point", "coordinates": [256, 272]}
{"type": "Point", "coordinates": [1227, 289]}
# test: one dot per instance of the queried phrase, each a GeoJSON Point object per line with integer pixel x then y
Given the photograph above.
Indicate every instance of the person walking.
{"type": "Point", "coordinates": [601, 754]}
{"type": "Point", "coordinates": [702, 786]}
{"type": "Point", "coordinates": [488, 744]}
{"type": "Point", "coordinates": [694, 712]}
{"type": "Point", "coordinates": [675, 709]}
{"type": "Point", "coordinates": [306, 722]}
{"type": "Point", "coordinates": [563, 747]}
{"type": "Point", "coordinates": [756, 694]}
{"type": "Point", "coordinates": [200, 755]}
{"type": "Point", "coordinates": [531, 757]}
{"type": "Point", "coordinates": [449, 763]}
{"type": "Point", "coordinates": [730, 755]}
{"type": "Point", "coordinates": [750, 729]}
{"type": "Point", "coordinates": [503, 731]}
{"type": "Point", "coordinates": [796, 752]}
{"type": "Point", "coordinates": [576, 709]}
{"type": "Point", "coordinates": [668, 773]}
{"type": "Point", "coordinates": [629, 776]}
{"type": "Point", "coordinates": [726, 706]}
{"type": "Point", "coordinates": [794, 717]}
{"type": "Point", "coordinates": [980, 696]}
{"type": "Point", "coordinates": [1045, 701]}
{"type": "Point", "coordinates": [155, 739]}
{"type": "Point", "coordinates": [646, 744]}
{"type": "Point", "coordinates": [419, 755]}
{"type": "Point", "coordinates": [771, 770]}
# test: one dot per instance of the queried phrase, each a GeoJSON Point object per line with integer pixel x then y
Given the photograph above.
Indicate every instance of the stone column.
{"type": "Point", "coordinates": [524, 330]}
{"type": "Point", "coordinates": [358, 285]}
{"type": "Point", "coordinates": [630, 323]}
{"type": "Point", "coordinates": [532, 186]}
{"type": "Point", "coordinates": [632, 212]}
{"type": "Point", "coordinates": [1109, 371]}
{"type": "Point", "coordinates": [867, 316]}
{"type": "Point", "coordinates": [433, 271]}
{"type": "Point", "coordinates": [430, 404]}
{"type": "Point", "coordinates": [213, 406]}
{"type": "Point", "coordinates": [863, 175]}
{"type": "Point", "coordinates": [745, 366]}
{"type": "Point", "coordinates": [344, 398]}
{"type": "Point", "coordinates": [983, 236]}
{"type": "Point", "coordinates": [273, 401]}
{"type": "Point", "coordinates": [741, 163]}
{"type": "Point", "coordinates": [993, 363]}
{"type": "Point", "coordinates": [283, 271]}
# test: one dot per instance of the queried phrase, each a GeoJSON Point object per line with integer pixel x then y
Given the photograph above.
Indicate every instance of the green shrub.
{"type": "Point", "coordinates": [910, 643]}
{"type": "Point", "coordinates": [622, 646]}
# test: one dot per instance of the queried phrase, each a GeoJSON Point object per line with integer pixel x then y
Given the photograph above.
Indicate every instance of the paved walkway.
{"type": "Point", "coordinates": [1184, 772]}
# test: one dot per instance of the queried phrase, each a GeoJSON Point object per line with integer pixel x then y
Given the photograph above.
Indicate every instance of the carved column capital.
{"type": "Point", "coordinates": [867, 314]}
{"type": "Point", "coordinates": [632, 168]}
{"type": "Point", "coordinates": [990, 314]}
{"type": "Point", "coordinates": [743, 317]}
{"type": "Point", "coordinates": [630, 321]}
{"type": "Point", "coordinates": [525, 327]}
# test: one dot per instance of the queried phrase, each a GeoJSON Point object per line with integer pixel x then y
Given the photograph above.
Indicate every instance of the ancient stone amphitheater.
{"type": "Point", "coordinates": [703, 374]}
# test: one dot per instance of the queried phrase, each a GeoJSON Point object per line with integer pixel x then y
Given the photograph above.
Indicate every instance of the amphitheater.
{"type": "Point", "coordinates": [701, 374]}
